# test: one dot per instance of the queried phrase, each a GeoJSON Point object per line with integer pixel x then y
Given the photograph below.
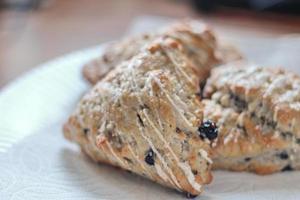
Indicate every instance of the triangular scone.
{"type": "Point", "coordinates": [144, 117]}
{"type": "Point", "coordinates": [195, 36]}
{"type": "Point", "coordinates": [257, 111]}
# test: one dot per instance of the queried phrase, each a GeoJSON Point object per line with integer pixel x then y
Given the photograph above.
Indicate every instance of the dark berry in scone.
{"type": "Point", "coordinates": [208, 130]}
{"type": "Point", "coordinates": [150, 157]}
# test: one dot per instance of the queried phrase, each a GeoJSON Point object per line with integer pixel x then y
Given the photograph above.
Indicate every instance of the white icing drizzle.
{"type": "Point", "coordinates": [159, 134]}
{"type": "Point", "coordinates": [275, 114]}
{"type": "Point", "coordinates": [177, 65]}
{"type": "Point", "coordinates": [236, 137]}
{"type": "Point", "coordinates": [159, 119]}
{"type": "Point", "coordinates": [136, 157]}
{"type": "Point", "coordinates": [288, 96]}
{"type": "Point", "coordinates": [187, 123]}
{"type": "Point", "coordinates": [190, 176]}
{"type": "Point", "coordinates": [102, 129]}
{"type": "Point", "coordinates": [276, 134]}
{"type": "Point", "coordinates": [187, 171]}
{"type": "Point", "coordinates": [275, 85]}
{"type": "Point", "coordinates": [156, 112]}
{"type": "Point", "coordinates": [228, 138]}
{"type": "Point", "coordinates": [184, 166]}
{"type": "Point", "coordinates": [161, 173]}
{"type": "Point", "coordinates": [115, 155]}
{"type": "Point", "coordinates": [204, 154]}
{"type": "Point", "coordinates": [165, 165]}
{"type": "Point", "coordinates": [109, 126]}
{"type": "Point", "coordinates": [102, 149]}
{"type": "Point", "coordinates": [295, 106]}
{"type": "Point", "coordinates": [173, 177]}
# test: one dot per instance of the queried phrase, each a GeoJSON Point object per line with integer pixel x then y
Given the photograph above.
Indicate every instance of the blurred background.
{"type": "Point", "coordinates": [34, 31]}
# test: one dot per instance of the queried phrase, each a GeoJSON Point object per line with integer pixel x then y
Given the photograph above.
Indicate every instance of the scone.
{"type": "Point", "coordinates": [257, 111]}
{"type": "Point", "coordinates": [195, 36]}
{"type": "Point", "coordinates": [145, 116]}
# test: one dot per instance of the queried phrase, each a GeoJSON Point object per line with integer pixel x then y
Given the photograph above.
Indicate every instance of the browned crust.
{"type": "Point", "coordinates": [278, 90]}
{"type": "Point", "coordinates": [241, 135]}
{"type": "Point", "coordinates": [121, 118]}
{"type": "Point", "coordinates": [191, 33]}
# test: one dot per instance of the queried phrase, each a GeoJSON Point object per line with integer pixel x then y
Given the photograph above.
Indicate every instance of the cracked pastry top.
{"type": "Point", "coordinates": [196, 37]}
{"type": "Point", "coordinates": [145, 116]}
{"type": "Point", "coordinates": [257, 110]}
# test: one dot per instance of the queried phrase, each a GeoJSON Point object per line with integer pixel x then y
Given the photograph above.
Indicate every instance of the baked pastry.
{"type": "Point", "coordinates": [257, 111]}
{"type": "Point", "coordinates": [195, 36]}
{"type": "Point", "coordinates": [113, 55]}
{"type": "Point", "coordinates": [145, 116]}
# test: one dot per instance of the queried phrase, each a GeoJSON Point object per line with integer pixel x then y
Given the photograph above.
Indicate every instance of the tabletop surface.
{"type": "Point", "coordinates": [29, 38]}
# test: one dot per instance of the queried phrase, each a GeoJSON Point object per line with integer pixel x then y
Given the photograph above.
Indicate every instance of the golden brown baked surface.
{"type": "Point", "coordinates": [257, 110]}
{"type": "Point", "coordinates": [195, 36]}
{"type": "Point", "coordinates": [144, 117]}
{"type": "Point", "coordinates": [114, 54]}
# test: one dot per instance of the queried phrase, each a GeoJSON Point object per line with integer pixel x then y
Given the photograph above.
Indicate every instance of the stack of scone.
{"type": "Point", "coordinates": [173, 104]}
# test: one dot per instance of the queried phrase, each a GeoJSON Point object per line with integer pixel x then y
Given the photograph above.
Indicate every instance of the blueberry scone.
{"type": "Point", "coordinates": [145, 116]}
{"type": "Point", "coordinates": [257, 111]}
{"type": "Point", "coordinates": [196, 37]}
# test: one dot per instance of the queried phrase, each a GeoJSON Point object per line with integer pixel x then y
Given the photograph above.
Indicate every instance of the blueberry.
{"type": "Point", "coordinates": [283, 155]}
{"type": "Point", "coordinates": [287, 168]}
{"type": "Point", "coordinates": [247, 159]}
{"type": "Point", "coordinates": [86, 131]}
{"type": "Point", "coordinates": [287, 135]}
{"type": "Point", "coordinates": [150, 156]}
{"type": "Point", "coordinates": [190, 196]}
{"type": "Point", "coordinates": [208, 130]}
{"type": "Point", "coordinates": [238, 102]}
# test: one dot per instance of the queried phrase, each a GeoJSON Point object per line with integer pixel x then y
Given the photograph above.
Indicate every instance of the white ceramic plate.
{"type": "Point", "coordinates": [45, 166]}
